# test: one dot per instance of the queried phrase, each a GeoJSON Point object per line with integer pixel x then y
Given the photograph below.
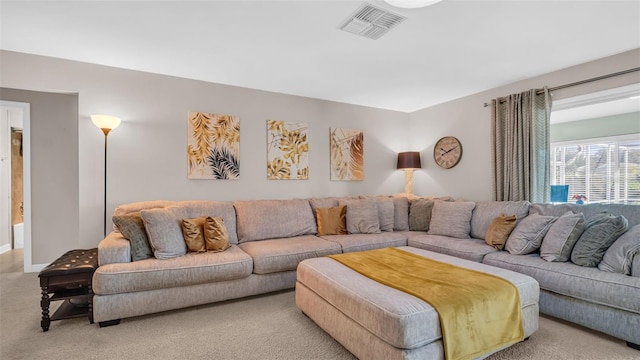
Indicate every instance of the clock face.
{"type": "Point", "coordinates": [447, 152]}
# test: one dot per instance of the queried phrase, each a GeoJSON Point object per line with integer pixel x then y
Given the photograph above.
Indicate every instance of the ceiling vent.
{"type": "Point", "coordinates": [371, 22]}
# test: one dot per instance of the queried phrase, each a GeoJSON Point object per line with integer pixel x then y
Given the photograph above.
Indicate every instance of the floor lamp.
{"type": "Point", "coordinates": [409, 161]}
{"type": "Point", "coordinates": [106, 123]}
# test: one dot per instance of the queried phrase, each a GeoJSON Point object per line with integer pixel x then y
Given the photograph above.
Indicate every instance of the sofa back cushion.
{"type": "Point", "coordinates": [271, 219]}
{"type": "Point", "coordinates": [528, 235]}
{"type": "Point", "coordinates": [420, 214]}
{"type": "Point", "coordinates": [630, 212]}
{"type": "Point", "coordinates": [164, 225]}
{"type": "Point", "coordinates": [400, 213]}
{"type": "Point", "coordinates": [362, 216]}
{"type": "Point", "coordinates": [619, 256]}
{"type": "Point", "coordinates": [486, 211]}
{"type": "Point", "coordinates": [562, 236]}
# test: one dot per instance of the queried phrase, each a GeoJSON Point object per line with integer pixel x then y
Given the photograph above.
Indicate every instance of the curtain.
{"type": "Point", "coordinates": [520, 146]}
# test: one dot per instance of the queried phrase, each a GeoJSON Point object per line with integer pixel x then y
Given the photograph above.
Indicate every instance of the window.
{"type": "Point", "coordinates": [605, 170]}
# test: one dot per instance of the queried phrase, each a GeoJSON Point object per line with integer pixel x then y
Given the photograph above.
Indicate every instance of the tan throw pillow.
{"type": "Point", "coordinates": [193, 235]}
{"type": "Point", "coordinates": [499, 230]}
{"type": "Point", "coordinates": [216, 236]}
{"type": "Point", "coordinates": [332, 221]}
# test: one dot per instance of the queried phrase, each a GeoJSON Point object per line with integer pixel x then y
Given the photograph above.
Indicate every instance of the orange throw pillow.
{"type": "Point", "coordinates": [499, 231]}
{"type": "Point", "coordinates": [332, 221]}
{"type": "Point", "coordinates": [193, 235]}
{"type": "Point", "coordinates": [216, 236]}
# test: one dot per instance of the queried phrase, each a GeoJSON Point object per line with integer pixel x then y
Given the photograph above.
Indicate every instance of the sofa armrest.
{"type": "Point", "coordinates": [635, 265]}
{"type": "Point", "coordinates": [114, 249]}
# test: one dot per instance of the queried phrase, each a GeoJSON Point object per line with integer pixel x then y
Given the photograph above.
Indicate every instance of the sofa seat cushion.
{"type": "Point", "coordinates": [276, 255]}
{"type": "Point", "coordinates": [362, 242]}
{"type": "Point", "coordinates": [565, 278]}
{"type": "Point", "coordinates": [470, 249]}
{"type": "Point", "coordinates": [190, 269]}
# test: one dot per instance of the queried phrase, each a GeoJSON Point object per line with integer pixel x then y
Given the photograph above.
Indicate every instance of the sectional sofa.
{"type": "Point", "coordinates": [269, 238]}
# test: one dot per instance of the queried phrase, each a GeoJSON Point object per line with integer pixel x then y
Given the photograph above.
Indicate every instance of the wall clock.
{"type": "Point", "coordinates": [447, 152]}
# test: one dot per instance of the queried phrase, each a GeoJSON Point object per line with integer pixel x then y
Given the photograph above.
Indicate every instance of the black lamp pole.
{"type": "Point", "coordinates": [106, 133]}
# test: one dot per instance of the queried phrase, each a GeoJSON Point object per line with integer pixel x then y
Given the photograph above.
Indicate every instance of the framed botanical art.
{"type": "Point", "coordinates": [287, 150]}
{"type": "Point", "coordinates": [213, 146]}
{"type": "Point", "coordinates": [347, 154]}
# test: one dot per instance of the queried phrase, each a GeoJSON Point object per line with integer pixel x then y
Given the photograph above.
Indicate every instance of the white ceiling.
{"type": "Point", "coordinates": [442, 52]}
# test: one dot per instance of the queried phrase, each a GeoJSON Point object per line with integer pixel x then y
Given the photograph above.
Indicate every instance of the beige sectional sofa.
{"type": "Point", "coordinates": [269, 238]}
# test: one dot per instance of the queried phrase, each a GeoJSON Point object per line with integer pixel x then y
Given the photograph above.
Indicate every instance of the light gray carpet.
{"type": "Point", "coordinates": [262, 327]}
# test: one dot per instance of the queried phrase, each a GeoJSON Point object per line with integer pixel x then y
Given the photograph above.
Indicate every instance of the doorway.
{"type": "Point", "coordinates": [15, 181]}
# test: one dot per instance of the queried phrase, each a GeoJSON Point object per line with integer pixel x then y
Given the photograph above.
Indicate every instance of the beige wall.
{"type": "Point", "coordinates": [147, 153]}
{"type": "Point", "coordinates": [467, 119]}
{"type": "Point", "coordinates": [54, 171]}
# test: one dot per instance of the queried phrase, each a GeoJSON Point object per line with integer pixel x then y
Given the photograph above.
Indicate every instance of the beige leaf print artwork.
{"type": "Point", "coordinates": [347, 154]}
{"type": "Point", "coordinates": [213, 146]}
{"type": "Point", "coordinates": [287, 150]}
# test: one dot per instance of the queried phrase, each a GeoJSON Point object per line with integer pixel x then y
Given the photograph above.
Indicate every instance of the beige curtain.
{"type": "Point", "coordinates": [520, 146]}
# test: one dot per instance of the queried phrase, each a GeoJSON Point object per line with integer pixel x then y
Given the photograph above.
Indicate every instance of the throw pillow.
{"type": "Point", "coordinates": [420, 214]}
{"type": "Point", "coordinates": [385, 213]}
{"type": "Point", "coordinates": [332, 221]}
{"type": "Point", "coordinates": [451, 218]}
{"type": "Point", "coordinates": [599, 233]}
{"type": "Point", "coordinates": [527, 236]}
{"type": "Point", "coordinates": [216, 236]}
{"type": "Point", "coordinates": [192, 230]}
{"type": "Point", "coordinates": [619, 256]}
{"type": "Point", "coordinates": [132, 228]}
{"type": "Point", "coordinates": [562, 237]}
{"type": "Point", "coordinates": [164, 230]}
{"type": "Point", "coordinates": [362, 216]}
{"type": "Point", "coordinates": [499, 230]}
{"type": "Point", "coordinates": [400, 214]}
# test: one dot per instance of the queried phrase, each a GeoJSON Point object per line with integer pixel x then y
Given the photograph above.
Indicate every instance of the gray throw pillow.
{"type": "Point", "coordinates": [132, 228]}
{"type": "Point", "coordinates": [619, 256]}
{"type": "Point", "coordinates": [385, 213]}
{"type": "Point", "coordinates": [400, 214]}
{"type": "Point", "coordinates": [165, 230]}
{"type": "Point", "coordinates": [362, 216]}
{"type": "Point", "coordinates": [420, 214]}
{"type": "Point", "coordinates": [451, 218]}
{"type": "Point", "coordinates": [599, 233]}
{"type": "Point", "coordinates": [528, 234]}
{"type": "Point", "coordinates": [562, 237]}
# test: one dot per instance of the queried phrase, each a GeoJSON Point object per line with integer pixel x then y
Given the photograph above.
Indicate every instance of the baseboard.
{"type": "Point", "coordinates": [4, 248]}
{"type": "Point", "coordinates": [37, 267]}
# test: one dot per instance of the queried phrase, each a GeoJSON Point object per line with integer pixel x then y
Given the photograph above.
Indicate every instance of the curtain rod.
{"type": "Point", "coordinates": [623, 72]}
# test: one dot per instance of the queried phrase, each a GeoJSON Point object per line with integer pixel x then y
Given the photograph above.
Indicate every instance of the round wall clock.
{"type": "Point", "coordinates": [447, 152]}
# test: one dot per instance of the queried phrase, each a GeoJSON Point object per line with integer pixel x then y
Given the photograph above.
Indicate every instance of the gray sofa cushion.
{"type": "Point", "coordinates": [272, 219]}
{"type": "Point", "coordinates": [191, 269]}
{"type": "Point", "coordinates": [486, 211]}
{"type": "Point", "coordinates": [362, 216]}
{"type": "Point", "coordinates": [400, 214]}
{"type": "Point", "coordinates": [527, 236]}
{"type": "Point", "coordinates": [420, 214]}
{"type": "Point", "coordinates": [132, 228]}
{"type": "Point", "coordinates": [362, 242]}
{"type": "Point", "coordinates": [451, 218]}
{"type": "Point", "coordinates": [599, 233]}
{"type": "Point", "coordinates": [277, 255]}
{"type": "Point", "coordinates": [619, 256]}
{"type": "Point", "coordinates": [386, 214]}
{"type": "Point", "coordinates": [562, 236]}
{"type": "Point", "coordinates": [325, 202]}
{"type": "Point", "coordinates": [630, 212]}
{"type": "Point", "coordinates": [566, 278]}
{"type": "Point", "coordinates": [165, 231]}
{"type": "Point", "coordinates": [470, 249]}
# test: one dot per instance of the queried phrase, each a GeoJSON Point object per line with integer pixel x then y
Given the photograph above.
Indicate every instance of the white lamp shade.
{"type": "Point", "coordinates": [411, 4]}
{"type": "Point", "coordinates": [105, 121]}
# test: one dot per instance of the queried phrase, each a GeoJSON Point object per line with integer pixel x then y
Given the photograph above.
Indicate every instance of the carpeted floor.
{"type": "Point", "coordinates": [261, 327]}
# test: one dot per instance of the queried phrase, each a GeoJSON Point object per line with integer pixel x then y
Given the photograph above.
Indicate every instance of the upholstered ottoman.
{"type": "Point", "coordinates": [374, 321]}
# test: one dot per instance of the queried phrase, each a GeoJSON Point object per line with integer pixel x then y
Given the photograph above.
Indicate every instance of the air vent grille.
{"type": "Point", "coordinates": [371, 22]}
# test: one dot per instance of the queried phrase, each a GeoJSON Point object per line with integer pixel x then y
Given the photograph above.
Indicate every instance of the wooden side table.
{"type": "Point", "coordinates": [68, 278]}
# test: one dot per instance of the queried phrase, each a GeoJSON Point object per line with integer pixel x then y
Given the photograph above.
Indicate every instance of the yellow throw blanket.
{"type": "Point", "coordinates": [479, 313]}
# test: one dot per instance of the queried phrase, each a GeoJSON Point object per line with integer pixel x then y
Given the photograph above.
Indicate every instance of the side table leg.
{"type": "Point", "coordinates": [44, 304]}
